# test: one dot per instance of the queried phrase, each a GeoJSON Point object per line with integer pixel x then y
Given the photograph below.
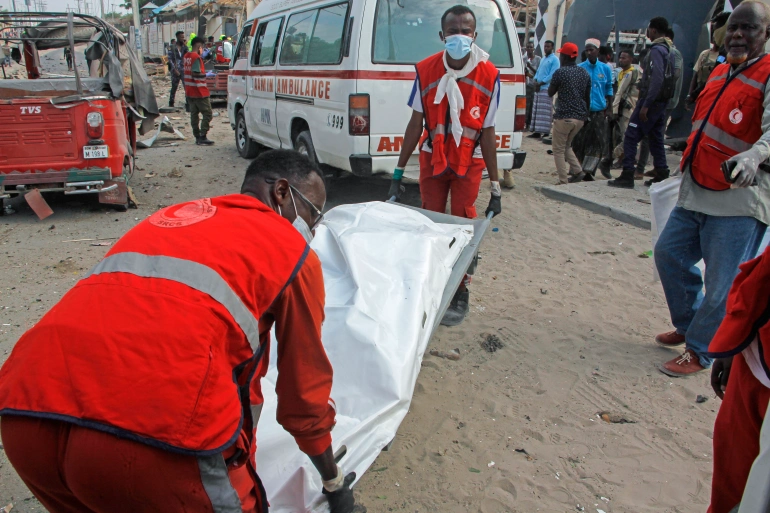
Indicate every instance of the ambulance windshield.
{"type": "Point", "coordinates": [406, 31]}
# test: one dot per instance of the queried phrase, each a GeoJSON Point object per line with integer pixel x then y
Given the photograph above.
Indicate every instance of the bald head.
{"type": "Point", "coordinates": [748, 29]}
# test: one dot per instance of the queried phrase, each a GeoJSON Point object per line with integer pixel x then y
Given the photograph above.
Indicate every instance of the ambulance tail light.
{"type": "Point", "coordinates": [94, 125]}
{"type": "Point", "coordinates": [358, 114]}
{"type": "Point", "coordinates": [520, 119]}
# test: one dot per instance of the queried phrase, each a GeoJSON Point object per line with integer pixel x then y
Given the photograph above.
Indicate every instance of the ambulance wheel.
{"type": "Point", "coordinates": [247, 148]}
{"type": "Point", "coordinates": [304, 145]}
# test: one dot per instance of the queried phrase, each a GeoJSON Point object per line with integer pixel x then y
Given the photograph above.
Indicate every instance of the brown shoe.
{"type": "Point", "coordinates": [682, 366]}
{"type": "Point", "coordinates": [670, 339]}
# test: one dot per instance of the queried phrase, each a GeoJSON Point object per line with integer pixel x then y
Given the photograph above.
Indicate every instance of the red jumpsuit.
{"type": "Point", "coordinates": [739, 422]}
{"type": "Point", "coordinates": [142, 405]}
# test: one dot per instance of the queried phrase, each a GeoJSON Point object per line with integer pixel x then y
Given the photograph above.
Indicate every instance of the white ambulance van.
{"type": "Point", "coordinates": [332, 78]}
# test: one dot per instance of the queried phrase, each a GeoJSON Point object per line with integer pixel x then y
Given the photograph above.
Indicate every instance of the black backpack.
{"type": "Point", "coordinates": [670, 78]}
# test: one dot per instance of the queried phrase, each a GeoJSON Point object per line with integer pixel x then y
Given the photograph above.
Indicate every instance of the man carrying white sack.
{"type": "Point", "coordinates": [456, 94]}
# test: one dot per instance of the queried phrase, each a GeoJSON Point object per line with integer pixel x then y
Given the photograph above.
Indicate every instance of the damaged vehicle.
{"type": "Point", "coordinates": [72, 133]}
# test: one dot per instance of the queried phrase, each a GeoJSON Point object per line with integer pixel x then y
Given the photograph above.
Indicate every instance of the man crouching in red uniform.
{"type": "Point", "coordinates": [456, 95]}
{"type": "Point", "coordinates": [140, 390]}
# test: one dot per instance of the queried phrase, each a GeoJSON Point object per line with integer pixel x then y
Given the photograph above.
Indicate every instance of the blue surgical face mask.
{"type": "Point", "coordinates": [458, 46]}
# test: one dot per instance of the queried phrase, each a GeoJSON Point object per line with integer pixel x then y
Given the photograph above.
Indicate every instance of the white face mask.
{"type": "Point", "coordinates": [299, 224]}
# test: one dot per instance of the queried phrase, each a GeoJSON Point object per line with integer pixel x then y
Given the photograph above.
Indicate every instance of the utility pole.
{"type": "Point", "coordinates": [137, 30]}
{"type": "Point", "coordinates": [102, 3]}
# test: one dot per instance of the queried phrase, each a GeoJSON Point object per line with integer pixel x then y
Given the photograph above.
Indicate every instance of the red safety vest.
{"type": "Point", "coordinates": [194, 87]}
{"type": "Point", "coordinates": [158, 343]}
{"type": "Point", "coordinates": [748, 312]}
{"type": "Point", "coordinates": [477, 89]}
{"type": "Point", "coordinates": [221, 55]}
{"type": "Point", "coordinates": [727, 121]}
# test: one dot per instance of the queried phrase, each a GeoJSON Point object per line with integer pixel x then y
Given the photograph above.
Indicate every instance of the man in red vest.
{"type": "Point", "coordinates": [197, 93]}
{"type": "Point", "coordinates": [456, 95]}
{"type": "Point", "coordinates": [718, 219]}
{"type": "Point", "coordinates": [140, 390]}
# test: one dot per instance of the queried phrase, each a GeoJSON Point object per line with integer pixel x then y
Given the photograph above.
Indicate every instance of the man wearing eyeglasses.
{"type": "Point", "coordinates": [140, 390]}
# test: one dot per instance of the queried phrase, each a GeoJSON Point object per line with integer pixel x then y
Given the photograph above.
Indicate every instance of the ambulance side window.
{"type": "Point", "coordinates": [267, 42]}
{"type": "Point", "coordinates": [315, 36]}
{"type": "Point", "coordinates": [244, 44]}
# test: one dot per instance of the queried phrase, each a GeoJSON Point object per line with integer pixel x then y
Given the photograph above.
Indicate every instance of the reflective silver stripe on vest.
{"type": "Point", "coordinates": [468, 133]}
{"type": "Point", "coordinates": [726, 139]}
{"type": "Point", "coordinates": [216, 482]}
{"type": "Point", "coordinates": [187, 272]}
{"type": "Point", "coordinates": [752, 83]}
{"type": "Point", "coordinates": [426, 90]}
{"type": "Point", "coordinates": [476, 85]}
{"type": "Point", "coordinates": [696, 125]}
{"type": "Point", "coordinates": [718, 77]}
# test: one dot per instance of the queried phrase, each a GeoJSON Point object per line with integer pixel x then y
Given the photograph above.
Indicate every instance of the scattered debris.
{"type": "Point", "coordinates": [490, 464]}
{"type": "Point", "coordinates": [701, 399]}
{"type": "Point", "coordinates": [175, 173]}
{"type": "Point", "coordinates": [38, 204]}
{"type": "Point", "coordinates": [646, 254]}
{"type": "Point", "coordinates": [381, 469]}
{"type": "Point", "coordinates": [101, 243]}
{"type": "Point", "coordinates": [525, 453]}
{"type": "Point", "coordinates": [615, 418]}
{"type": "Point", "coordinates": [601, 253]}
{"type": "Point", "coordinates": [491, 343]}
{"type": "Point", "coordinates": [453, 355]}
{"type": "Point", "coordinates": [381, 497]}
{"type": "Point", "coordinates": [53, 226]}
{"type": "Point", "coordinates": [7, 508]}
{"type": "Point", "coordinates": [474, 470]}
{"type": "Point", "coordinates": [90, 240]}
{"type": "Point", "coordinates": [163, 126]}
{"type": "Point", "coordinates": [150, 175]}
{"type": "Point", "coordinates": [132, 199]}
{"type": "Point", "coordinates": [544, 291]}
{"type": "Point", "coordinates": [645, 201]}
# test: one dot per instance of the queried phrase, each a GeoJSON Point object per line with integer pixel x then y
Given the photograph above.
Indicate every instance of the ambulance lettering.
{"type": "Point", "coordinates": [390, 144]}
{"type": "Point", "coordinates": [307, 88]}
{"type": "Point", "coordinates": [503, 142]}
{"type": "Point", "coordinates": [264, 85]}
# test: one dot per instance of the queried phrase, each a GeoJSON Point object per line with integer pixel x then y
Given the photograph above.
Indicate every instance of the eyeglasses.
{"type": "Point", "coordinates": [313, 209]}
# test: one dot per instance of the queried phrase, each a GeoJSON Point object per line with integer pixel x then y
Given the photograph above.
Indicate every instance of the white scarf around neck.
{"type": "Point", "coordinates": [448, 87]}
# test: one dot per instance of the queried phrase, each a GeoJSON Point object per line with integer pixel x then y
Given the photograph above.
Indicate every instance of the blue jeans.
{"type": "Point", "coordinates": [723, 243]}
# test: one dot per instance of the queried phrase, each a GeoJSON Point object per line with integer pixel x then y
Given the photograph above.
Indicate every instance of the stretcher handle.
{"type": "Point", "coordinates": [489, 216]}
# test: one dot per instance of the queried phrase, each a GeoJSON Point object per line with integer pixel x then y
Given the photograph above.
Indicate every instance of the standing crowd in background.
{"type": "Point", "coordinates": [721, 215]}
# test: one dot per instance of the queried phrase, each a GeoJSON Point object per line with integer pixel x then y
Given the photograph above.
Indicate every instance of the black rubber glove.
{"type": "Point", "coordinates": [396, 189]}
{"type": "Point", "coordinates": [342, 501]}
{"type": "Point", "coordinates": [720, 373]}
{"type": "Point", "coordinates": [495, 206]}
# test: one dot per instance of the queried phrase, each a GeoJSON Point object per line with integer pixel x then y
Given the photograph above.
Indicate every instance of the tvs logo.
{"type": "Point", "coordinates": [30, 110]}
{"type": "Point", "coordinates": [185, 214]}
{"type": "Point", "coordinates": [476, 112]}
{"type": "Point", "coordinates": [736, 116]}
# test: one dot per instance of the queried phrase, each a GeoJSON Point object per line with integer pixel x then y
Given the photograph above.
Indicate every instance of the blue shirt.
{"type": "Point", "coordinates": [601, 84]}
{"type": "Point", "coordinates": [548, 66]}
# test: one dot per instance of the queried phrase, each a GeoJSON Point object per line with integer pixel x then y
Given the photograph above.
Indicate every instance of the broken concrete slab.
{"type": "Point", "coordinates": [630, 206]}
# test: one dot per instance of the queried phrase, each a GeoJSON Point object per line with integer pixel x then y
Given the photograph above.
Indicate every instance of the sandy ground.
{"type": "Point", "coordinates": [576, 328]}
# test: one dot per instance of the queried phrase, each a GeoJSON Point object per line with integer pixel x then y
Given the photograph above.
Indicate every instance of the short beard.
{"type": "Point", "coordinates": [737, 59]}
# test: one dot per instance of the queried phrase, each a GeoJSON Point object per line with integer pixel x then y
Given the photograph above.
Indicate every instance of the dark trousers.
{"type": "Point", "coordinates": [653, 129]}
{"type": "Point", "coordinates": [200, 107]}
{"type": "Point", "coordinates": [174, 86]}
{"type": "Point", "coordinates": [644, 149]}
{"type": "Point", "coordinates": [530, 101]}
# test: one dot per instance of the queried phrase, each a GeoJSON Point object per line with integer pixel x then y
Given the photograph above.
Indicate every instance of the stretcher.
{"type": "Point", "coordinates": [469, 257]}
{"type": "Point", "coordinates": [390, 272]}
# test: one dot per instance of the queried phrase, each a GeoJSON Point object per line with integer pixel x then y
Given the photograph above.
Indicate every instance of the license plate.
{"type": "Point", "coordinates": [96, 152]}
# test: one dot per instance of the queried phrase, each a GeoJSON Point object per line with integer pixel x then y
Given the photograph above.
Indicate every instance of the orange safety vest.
{"type": "Point", "coordinates": [194, 87]}
{"type": "Point", "coordinates": [727, 121]}
{"type": "Point", "coordinates": [477, 89]}
{"type": "Point", "coordinates": [158, 343]}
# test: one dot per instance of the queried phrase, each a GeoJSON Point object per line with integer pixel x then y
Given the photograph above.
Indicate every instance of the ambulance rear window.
{"type": "Point", "coordinates": [406, 31]}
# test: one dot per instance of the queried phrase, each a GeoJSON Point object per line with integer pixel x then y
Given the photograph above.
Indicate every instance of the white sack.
{"type": "Point", "coordinates": [385, 270]}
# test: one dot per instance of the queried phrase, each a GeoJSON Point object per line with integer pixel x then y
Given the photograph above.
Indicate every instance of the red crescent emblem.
{"type": "Point", "coordinates": [183, 214]}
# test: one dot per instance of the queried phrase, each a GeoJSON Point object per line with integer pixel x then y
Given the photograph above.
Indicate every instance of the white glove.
{"type": "Point", "coordinates": [746, 169]}
{"type": "Point", "coordinates": [496, 189]}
